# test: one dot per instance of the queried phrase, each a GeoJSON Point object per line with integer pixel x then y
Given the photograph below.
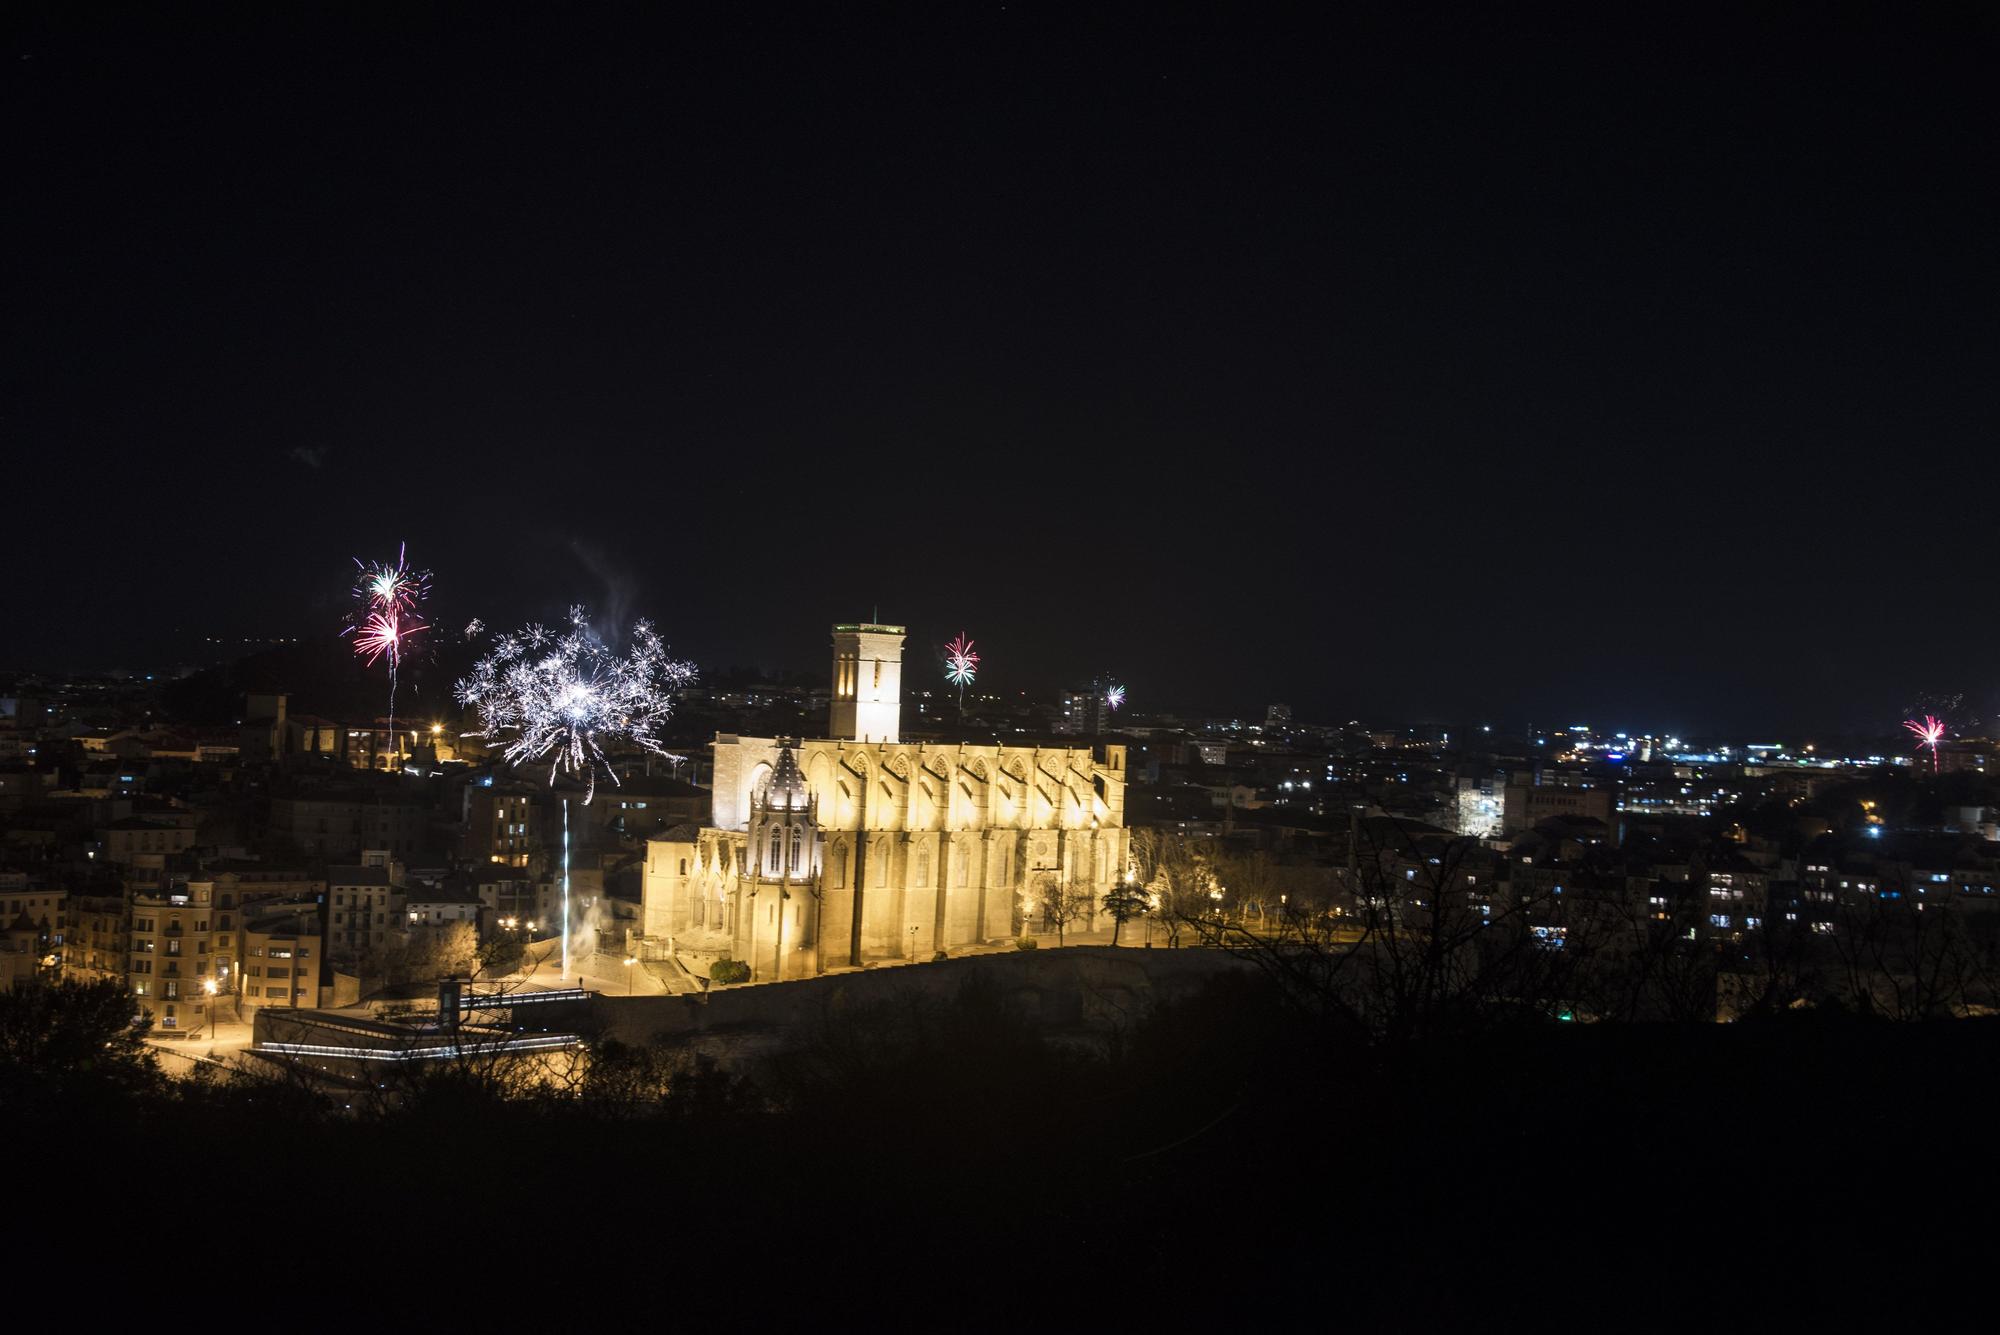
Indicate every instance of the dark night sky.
{"type": "Point", "coordinates": [1464, 364]}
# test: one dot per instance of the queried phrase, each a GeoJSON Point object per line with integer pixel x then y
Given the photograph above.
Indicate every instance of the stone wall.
{"type": "Point", "coordinates": [1079, 990]}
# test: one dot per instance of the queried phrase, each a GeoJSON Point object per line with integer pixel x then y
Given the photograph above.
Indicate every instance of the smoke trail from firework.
{"type": "Point", "coordinates": [388, 600]}
{"type": "Point", "coordinates": [1929, 731]}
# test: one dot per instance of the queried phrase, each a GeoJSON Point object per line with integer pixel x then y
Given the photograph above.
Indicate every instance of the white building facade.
{"type": "Point", "coordinates": [832, 852]}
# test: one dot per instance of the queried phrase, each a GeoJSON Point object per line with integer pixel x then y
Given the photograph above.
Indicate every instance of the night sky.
{"type": "Point", "coordinates": [1615, 364]}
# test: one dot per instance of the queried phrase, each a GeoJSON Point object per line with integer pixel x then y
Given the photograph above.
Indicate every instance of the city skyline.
{"type": "Point", "coordinates": [1035, 670]}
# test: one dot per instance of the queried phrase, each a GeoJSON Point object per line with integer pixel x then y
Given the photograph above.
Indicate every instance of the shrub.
{"type": "Point", "coordinates": [729, 971]}
{"type": "Point", "coordinates": [1026, 943]}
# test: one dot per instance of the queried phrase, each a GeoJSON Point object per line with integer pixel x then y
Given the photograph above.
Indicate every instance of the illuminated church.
{"type": "Point", "coordinates": [821, 854]}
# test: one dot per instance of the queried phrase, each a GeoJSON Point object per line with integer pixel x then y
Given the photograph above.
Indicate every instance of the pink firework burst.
{"type": "Point", "coordinates": [1929, 731]}
{"type": "Point", "coordinates": [387, 596]}
{"type": "Point", "coordinates": [960, 663]}
{"type": "Point", "coordinates": [378, 635]}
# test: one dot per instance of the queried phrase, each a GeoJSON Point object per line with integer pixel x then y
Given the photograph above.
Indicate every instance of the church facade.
{"type": "Point", "coordinates": [832, 852]}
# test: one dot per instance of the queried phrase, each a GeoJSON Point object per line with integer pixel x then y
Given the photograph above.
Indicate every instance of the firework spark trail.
{"type": "Point", "coordinates": [1929, 731]}
{"type": "Point", "coordinates": [388, 598]}
{"type": "Point", "coordinates": [564, 696]}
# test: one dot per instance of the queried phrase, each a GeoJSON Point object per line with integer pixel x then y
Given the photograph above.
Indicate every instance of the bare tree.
{"type": "Point", "coordinates": [1144, 849]}
{"type": "Point", "coordinates": [1125, 902]}
{"type": "Point", "coordinates": [1904, 956]}
{"type": "Point", "coordinates": [1062, 901]}
{"type": "Point", "coordinates": [1428, 947]}
{"type": "Point", "coordinates": [1653, 956]}
{"type": "Point", "coordinates": [1785, 967]}
{"type": "Point", "coordinates": [1186, 893]}
{"type": "Point", "coordinates": [1248, 881]}
{"type": "Point", "coordinates": [453, 950]}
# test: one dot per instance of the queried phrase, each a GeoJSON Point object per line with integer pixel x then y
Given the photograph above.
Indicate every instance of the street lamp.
{"type": "Point", "coordinates": [211, 987]}
{"type": "Point", "coordinates": [630, 960]}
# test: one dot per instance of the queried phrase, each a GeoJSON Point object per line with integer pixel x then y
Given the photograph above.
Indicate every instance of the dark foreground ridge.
{"type": "Point", "coordinates": [1212, 1152]}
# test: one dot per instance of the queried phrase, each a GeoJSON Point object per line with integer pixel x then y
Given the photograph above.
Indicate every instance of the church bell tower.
{"type": "Point", "coordinates": [867, 682]}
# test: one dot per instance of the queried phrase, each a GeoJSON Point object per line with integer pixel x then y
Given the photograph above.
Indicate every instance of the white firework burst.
{"type": "Point", "coordinates": [564, 697]}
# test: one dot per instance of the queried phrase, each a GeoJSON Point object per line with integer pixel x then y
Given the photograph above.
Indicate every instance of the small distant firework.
{"type": "Point", "coordinates": [563, 696]}
{"type": "Point", "coordinates": [1114, 697]}
{"type": "Point", "coordinates": [473, 628]}
{"type": "Point", "coordinates": [961, 664]}
{"type": "Point", "coordinates": [388, 602]}
{"type": "Point", "coordinates": [1929, 731]}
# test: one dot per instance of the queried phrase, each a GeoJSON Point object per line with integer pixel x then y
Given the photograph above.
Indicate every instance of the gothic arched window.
{"type": "Point", "coordinates": [797, 836]}
{"type": "Point", "coordinates": [777, 849]}
{"type": "Point", "coordinates": [924, 868]}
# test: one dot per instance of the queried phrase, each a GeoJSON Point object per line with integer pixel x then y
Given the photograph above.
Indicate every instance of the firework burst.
{"type": "Point", "coordinates": [388, 613]}
{"type": "Point", "coordinates": [1929, 731]}
{"type": "Point", "coordinates": [378, 635]}
{"type": "Point", "coordinates": [562, 697]}
{"type": "Point", "coordinates": [385, 587]}
{"type": "Point", "coordinates": [961, 664]}
{"type": "Point", "coordinates": [1114, 697]}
